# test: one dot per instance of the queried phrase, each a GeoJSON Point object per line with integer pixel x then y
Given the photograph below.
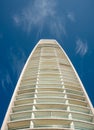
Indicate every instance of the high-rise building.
{"type": "Point", "coordinates": [49, 94]}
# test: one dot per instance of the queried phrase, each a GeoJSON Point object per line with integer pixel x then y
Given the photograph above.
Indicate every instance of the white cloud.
{"type": "Point", "coordinates": [41, 14]}
{"type": "Point", "coordinates": [71, 16]}
{"type": "Point", "coordinates": [81, 47]}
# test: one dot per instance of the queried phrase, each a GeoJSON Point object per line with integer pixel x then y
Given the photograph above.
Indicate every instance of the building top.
{"type": "Point", "coordinates": [42, 41]}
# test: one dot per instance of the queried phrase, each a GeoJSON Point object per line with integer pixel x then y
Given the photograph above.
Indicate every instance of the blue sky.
{"type": "Point", "coordinates": [24, 22]}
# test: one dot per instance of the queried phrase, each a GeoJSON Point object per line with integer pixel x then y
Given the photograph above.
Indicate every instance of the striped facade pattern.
{"type": "Point", "coordinates": [49, 94]}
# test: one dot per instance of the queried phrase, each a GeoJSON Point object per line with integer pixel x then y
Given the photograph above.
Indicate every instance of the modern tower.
{"type": "Point", "coordinates": [49, 94]}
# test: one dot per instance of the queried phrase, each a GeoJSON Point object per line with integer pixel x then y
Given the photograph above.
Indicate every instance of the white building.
{"type": "Point", "coordinates": [49, 94]}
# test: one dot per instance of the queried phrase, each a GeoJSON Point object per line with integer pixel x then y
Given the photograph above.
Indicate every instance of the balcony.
{"type": "Point", "coordinates": [52, 106]}
{"type": "Point", "coordinates": [77, 102]}
{"type": "Point", "coordinates": [50, 100]}
{"type": "Point", "coordinates": [26, 95]}
{"type": "Point", "coordinates": [49, 82]}
{"type": "Point", "coordinates": [20, 116]}
{"type": "Point", "coordinates": [16, 125]}
{"type": "Point", "coordinates": [83, 125]}
{"type": "Point", "coordinates": [82, 117]}
{"type": "Point", "coordinates": [31, 90]}
{"type": "Point", "coordinates": [22, 108]}
{"type": "Point", "coordinates": [52, 123]}
{"type": "Point", "coordinates": [50, 94]}
{"type": "Point", "coordinates": [77, 87]}
{"type": "Point", "coordinates": [50, 86]}
{"type": "Point", "coordinates": [75, 96]}
{"type": "Point", "coordinates": [23, 101]}
{"type": "Point", "coordinates": [43, 88]}
{"type": "Point", "coordinates": [81, 109]}
{"type": "Point", "coordinates": [74, 92]}
{"type": "Point", "coordinates": [27, 87]}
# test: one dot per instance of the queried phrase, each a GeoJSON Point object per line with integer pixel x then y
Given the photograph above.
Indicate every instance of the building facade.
{"type": "Point", "coordinates": [49, 94]}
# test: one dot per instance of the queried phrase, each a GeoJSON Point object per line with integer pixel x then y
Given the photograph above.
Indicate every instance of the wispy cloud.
{"type": "Point", "coordinates": [40, 14]}
{"type": "Point", "coordinates": [6, 81]}
{"type": "Point", "coordinates": [71, 16]}
{"type": "Point", "coordinates": [1, 35]}
{"type": "Point", "coordinates": [16, 20]}
{"type": "Point", "coordinates": [81, 47]}
{"type": "Point", "coordinates": [17, 59]}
